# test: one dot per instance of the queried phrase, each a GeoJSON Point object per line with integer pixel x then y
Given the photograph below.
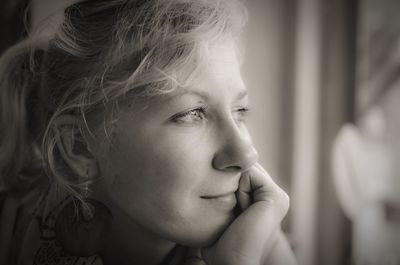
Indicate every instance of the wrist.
{"type": "Point", "coordinates": [280, 252]}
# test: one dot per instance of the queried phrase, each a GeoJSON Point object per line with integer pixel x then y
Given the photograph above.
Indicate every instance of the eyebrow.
{"type": "Point", "coordinates": [243, 93]}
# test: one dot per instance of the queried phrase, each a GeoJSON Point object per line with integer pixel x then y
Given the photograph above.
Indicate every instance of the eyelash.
{"type": "Point", "coordinates": [243, 113]}
{"type": "Point", "coordinates": [179, 117]}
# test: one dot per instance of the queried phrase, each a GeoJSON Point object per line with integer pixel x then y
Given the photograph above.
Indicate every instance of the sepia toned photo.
{"type": "Point", "coordinates": [200, 132]}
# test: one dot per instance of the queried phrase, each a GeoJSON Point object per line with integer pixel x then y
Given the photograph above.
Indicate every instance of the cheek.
{"type": "Point", "coordinates": [156, 180]}
{"type": "Point", "coordinates": [160, 173]}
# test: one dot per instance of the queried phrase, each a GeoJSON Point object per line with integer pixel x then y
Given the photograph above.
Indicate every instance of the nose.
{"type": "Point", "coordinates": [237, 152]}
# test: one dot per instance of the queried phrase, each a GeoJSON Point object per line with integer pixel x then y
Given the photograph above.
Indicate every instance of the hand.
{"type": "Point", "coordinates": [252, 235]}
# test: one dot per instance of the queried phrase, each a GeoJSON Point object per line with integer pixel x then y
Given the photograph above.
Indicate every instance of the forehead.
{"type": "Point", "coordinates": [216, 71]}
{"type": "Point", "coordinates": [215, 61]}
{"type": "Point", "coordinates": [217, 78]}
{"type": "Point", "coordinates": [222, 53]}
{"type": "Point", "coordinates": [219, 68]}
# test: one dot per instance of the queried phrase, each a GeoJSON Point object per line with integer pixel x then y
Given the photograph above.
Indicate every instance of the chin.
{"type": "Point", "coordinates": [205, 234]}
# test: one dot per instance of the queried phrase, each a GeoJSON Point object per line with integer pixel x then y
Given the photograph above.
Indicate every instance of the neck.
{"type": "Point", "coordinates": [131, 243]}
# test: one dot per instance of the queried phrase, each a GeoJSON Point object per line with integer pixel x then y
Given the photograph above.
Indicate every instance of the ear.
{"type": "Point", "coordinates": [74, 148]}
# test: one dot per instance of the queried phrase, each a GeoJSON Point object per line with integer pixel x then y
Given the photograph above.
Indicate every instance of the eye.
{"type": "Point", "coordinates": [241, 114]}
{"type": "Point", "coordinates": [194, 115]}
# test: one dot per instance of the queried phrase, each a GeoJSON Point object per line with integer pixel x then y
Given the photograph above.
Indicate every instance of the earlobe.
{"type": "Point", "coordinates": [73, 147]}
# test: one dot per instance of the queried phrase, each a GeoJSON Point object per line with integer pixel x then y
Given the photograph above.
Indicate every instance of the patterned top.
{"type": "Point", "coordinates": [27, 234]}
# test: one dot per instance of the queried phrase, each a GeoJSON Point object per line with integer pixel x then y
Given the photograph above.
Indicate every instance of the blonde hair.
{"type": "Point", "coordinates": [103, 50]}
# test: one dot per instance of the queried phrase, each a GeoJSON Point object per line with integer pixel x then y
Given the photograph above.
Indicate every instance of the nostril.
{"type": "Point", "coordinates": [234, 168]}
{"type": "Point", "coordinates": [236, 154]}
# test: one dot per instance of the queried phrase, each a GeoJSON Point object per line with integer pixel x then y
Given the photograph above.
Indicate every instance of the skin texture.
{"type": "Point", "coordinates": [168, 157]}
{"type": "Point", "coordinates": [177, 166]}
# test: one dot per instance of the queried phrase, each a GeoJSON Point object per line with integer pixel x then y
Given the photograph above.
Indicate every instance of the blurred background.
{"type": "Point", "coordinates": [323, 76]}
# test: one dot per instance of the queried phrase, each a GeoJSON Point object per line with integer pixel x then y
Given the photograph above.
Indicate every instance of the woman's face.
{"type": "Point", "coordinates": [175, 164]}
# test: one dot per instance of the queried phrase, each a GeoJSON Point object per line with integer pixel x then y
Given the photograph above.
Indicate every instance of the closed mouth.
{"type": "Point", "coordinates": [225, 201]}
{"type": "Point", "coordinates": [218, 196]}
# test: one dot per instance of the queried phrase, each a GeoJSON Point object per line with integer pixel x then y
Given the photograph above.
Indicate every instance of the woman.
{"type": "Point", "coordinates": [124, 142]}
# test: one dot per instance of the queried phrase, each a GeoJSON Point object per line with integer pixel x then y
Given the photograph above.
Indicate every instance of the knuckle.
{"type": "Point", "coordinates": [286, 202]}
{"type": "Point", "coordinates": [283, 201]}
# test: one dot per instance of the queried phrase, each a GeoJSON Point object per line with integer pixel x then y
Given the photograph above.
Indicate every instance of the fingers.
{"type": "Point", "coordinates": [251, 234]}
{"type": "Point", "coordinates": [256, 185]}
{"type": "Point", "coordinates": [244, 193]}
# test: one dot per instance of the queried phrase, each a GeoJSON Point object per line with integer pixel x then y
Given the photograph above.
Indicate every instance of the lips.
{"type": "Point", "coordinates": [217, 196]}
{"type": "Point", "coordinates": [228, 193]}
{"type": "Point", "coordinates": [225, 201]}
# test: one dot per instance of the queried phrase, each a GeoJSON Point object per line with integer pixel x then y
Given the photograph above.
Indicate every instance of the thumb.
{"type": "Point", "coordinates": [254, 185]}
{"type": "Point", "coordinates": [248, 239]}
{"type": "Point", "coordinates": [244, 193]}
